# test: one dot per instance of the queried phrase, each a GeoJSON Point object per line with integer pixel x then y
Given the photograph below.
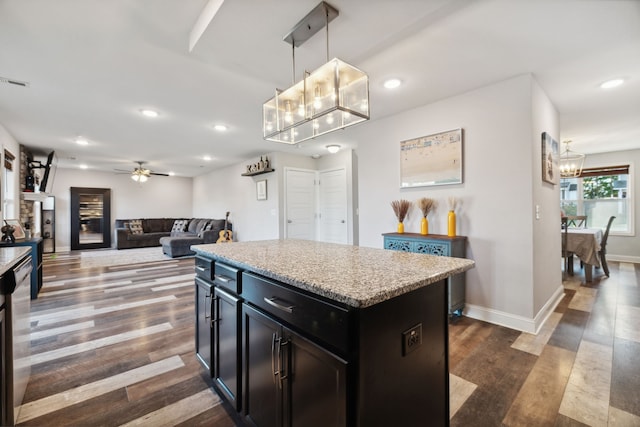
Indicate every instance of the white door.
{"type": "Point", "coordinates": [333, 206]}
{"type": "Point", "coordinates": [300, 206]}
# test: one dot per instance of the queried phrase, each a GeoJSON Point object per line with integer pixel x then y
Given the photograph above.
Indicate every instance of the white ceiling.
{"type": "Point", "coordinates": [93, 64]}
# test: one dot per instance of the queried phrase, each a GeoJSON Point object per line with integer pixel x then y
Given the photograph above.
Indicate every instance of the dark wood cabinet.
{"type": "Point", "coordinates": [218, 320]}
{"type": "Point", "coordinates": [226, 344]}
{"type": "Point", "coordinates": [295, 358]}
{"type": "Point", "coordinates": [289, 380]}
{"type": "Point", "coordinates": [204, 332]}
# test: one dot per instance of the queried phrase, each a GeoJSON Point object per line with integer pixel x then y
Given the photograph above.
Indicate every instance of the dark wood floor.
{"type": "Point", "coordinates": [115, 346]}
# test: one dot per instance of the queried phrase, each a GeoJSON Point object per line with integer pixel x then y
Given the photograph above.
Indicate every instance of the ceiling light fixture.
{"type": "Point", "coordinates": [392, 83]}
{"type": "Point", "coordinates": [149, 113]}
{"type": "Point", "coordinates": [571, 163]}
{"type": "Point", "coordinates": [81, 141]}
{"type": "Point", "coordinates": [206, 158]}
{"type": "Point", "coordinates": [220, 128]}
{"type": "Point", "coordinates": [610, 84]}
{"type": "Point", "coordinates": [334, 87]}
{"type": "Point", "coordinates": [333, 148]}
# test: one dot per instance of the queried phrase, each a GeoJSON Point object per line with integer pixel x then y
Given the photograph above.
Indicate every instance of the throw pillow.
{"type": "Point", "coordinates": [135, 226]}
{"type": "Point", "coordinates": [178, 225]}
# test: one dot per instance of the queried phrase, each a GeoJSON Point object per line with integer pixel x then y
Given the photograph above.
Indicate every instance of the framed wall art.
{"type": "Point", "coordinates": [550, 152]}
{"type": "Point", "coordinates": [431, 160]}
{"type": "Point", "coordinates": [261, 189]}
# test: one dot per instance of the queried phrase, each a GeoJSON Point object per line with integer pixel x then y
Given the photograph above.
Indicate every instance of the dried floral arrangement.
{"type": "Point", "coordinates": [426, 205]}
{"type": "Point", "coordinates": [453, 202]}
{"type": "Point", "coordinates": [401, 208]}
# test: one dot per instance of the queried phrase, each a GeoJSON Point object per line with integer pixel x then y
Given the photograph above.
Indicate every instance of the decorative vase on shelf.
{"type": "Point", "coordinates": [451, 224]}
{"type": "Point", "coordinates": [400, 227]}
{"type": "Point", "coordinates": [424, 226]}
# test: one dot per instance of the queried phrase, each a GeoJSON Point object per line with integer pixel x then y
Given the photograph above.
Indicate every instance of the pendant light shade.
{"type": "Point", "coordinates": [334, 96]}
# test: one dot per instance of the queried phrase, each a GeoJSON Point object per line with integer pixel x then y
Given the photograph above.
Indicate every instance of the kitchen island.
{"type": "Point", "coordinates": [316, 334]}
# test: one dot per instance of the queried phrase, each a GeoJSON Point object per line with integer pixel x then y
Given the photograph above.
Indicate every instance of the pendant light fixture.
{"type": "Point", "coordinates": [334, 96]}
{"type": "Point", "coordinates": [571, 163]}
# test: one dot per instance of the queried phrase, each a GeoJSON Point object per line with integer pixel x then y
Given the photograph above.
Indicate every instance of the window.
{"type": "Point", "coordinates": [600, 193]}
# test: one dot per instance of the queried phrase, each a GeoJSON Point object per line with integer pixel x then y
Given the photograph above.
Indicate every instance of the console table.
{"type": "Point", "coordinates": [435, 244]}
{"type": "Point", "coordinates": [36, 244]}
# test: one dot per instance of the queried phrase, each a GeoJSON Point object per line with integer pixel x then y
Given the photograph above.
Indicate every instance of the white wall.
{"type": "Point", "coordinates": [622, 248]}
{"type": "Point", "coordinates": [547, 245]}
{"type": "Point", "coordinates": [501, 151]}
{"type": "Point", "coordinates": [252, 219]}
{"type": "Point", "coordinates": [159, 197]}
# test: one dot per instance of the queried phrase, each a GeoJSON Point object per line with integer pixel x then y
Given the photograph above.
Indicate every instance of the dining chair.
{"type": "Point", "coordinates": [579, 221]}
{"type": "Point", "coordinates": [603, 247]}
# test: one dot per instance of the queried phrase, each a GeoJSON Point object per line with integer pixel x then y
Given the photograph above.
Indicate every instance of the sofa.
{"type": "Point", "coordinates": [176, 235]}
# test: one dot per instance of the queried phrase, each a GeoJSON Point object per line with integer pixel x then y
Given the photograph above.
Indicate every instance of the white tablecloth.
{"type": "Point", "coordinates": [585, 243]}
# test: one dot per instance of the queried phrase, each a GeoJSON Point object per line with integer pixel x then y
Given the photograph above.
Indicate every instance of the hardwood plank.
{"type": "Point", "coordinates": [538, 400]}
{"type": "Point", "coordinates": [568, 333]}
{"type": "Point", "coordinates": [625, 376]}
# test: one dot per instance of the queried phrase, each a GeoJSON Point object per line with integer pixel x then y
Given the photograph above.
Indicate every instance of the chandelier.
{"type": "Point", "coordinates": [571, 163]}
{"type": "Point", "coordinates": [334, 96]}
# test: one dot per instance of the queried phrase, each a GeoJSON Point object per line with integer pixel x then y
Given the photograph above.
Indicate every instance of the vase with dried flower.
{"type": "Point", "coordinates": [451, 218]}
{"type": "Point", "coordinates": [426, 205]}
{"type": "Point", "coordinates": [400, 208]}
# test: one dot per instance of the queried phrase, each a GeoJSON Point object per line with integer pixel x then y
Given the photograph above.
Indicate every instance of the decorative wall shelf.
{"type": "Point", "coordinates": [36, 197]}
{"type": "Point", "coordinates": [260, 172]}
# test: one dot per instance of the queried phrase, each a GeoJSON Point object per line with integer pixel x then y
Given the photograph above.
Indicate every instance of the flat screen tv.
{"type": "Point", "coordinates": [48, 176]}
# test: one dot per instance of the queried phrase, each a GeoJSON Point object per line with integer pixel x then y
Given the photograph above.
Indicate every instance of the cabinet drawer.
{"type": "Point", "coordinates": [204, 268]}
{"type": "Point", "coordinates": [318, 319]}
{"type": "Point", "coordinates": [227, 277]}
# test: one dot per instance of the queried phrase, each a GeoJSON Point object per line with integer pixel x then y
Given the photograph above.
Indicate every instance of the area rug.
{"type": "Point", "coordinates": [109, 257]}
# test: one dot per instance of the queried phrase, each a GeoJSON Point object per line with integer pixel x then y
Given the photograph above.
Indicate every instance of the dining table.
{"type": "Point", "coordinates": [585, 244]}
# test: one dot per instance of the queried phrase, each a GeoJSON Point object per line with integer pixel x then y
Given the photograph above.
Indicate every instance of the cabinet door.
{"type": "Point", "coordinates": [315, 384]}
{"type": "Point", "coordinates": [203, 323]}
{"type": "Point", "coordinates": [226, 345]}
{"type": "Point", "coordinates": [261, 385]}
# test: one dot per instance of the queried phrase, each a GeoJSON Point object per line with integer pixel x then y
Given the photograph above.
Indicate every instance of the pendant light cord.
{"type": "Point", "coordinates": [326, 15]}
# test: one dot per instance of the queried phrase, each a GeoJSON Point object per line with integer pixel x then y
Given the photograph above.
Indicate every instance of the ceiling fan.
{"type": "Point", "coordinates": [140, 173]}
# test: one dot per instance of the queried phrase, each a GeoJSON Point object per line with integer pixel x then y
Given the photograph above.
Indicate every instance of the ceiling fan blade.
{"type": "Point", "coordinates": [122, 170]}
{"type": "Point", "coordinates": [159, 174]}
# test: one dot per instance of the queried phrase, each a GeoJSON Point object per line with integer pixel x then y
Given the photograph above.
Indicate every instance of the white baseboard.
{"type": "Point", "coordinates": [623, 258]}
{"type": "Point", "coordinates": [514, 321]}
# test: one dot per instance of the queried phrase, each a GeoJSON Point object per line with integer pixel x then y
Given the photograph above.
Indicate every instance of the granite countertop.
{"type": "Point", "coordinates": [354, 275]}
{"type": "Point", "coordinates": [10, 255]}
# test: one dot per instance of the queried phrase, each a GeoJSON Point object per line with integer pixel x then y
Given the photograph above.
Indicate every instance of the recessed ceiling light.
{"type": "Point", "coordinates": [82, 141]}
{"type": "Point", "coordinates": [171, 173]}
{"type": "Point", "coordinates": [220, 128]}
{"type": "Point", "coordinates": [149, 113]}
{"type": "Point", "coordinates": [83, 166]}
{"type": "Point", "coordinates": [392, 83]}
{"type": "Point", "coordinates": [206, 158]}
{"type": "Point", "coordinates": [612, 83]}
